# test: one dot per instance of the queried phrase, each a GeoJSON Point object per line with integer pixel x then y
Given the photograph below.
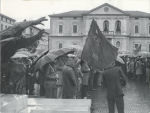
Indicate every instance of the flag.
{"type": "Point", "coordinates": [98, 51]}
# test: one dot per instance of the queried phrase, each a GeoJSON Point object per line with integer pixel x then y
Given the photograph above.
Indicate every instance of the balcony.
{"type": "Point", "coordinates": [108, 33]}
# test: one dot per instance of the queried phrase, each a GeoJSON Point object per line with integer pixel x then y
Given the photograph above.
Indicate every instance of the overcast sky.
{"type": "Point", "coordinates": [32, 9]}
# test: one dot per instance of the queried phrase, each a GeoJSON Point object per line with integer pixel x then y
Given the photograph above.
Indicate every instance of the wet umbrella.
{"type": "Point", "coordinates": [77, 49]}
{"type": "Point", "coordinates": [62, 51]}
{"type": "Point", "coordinates": [48, 58]}
{"type": "Point", "coordinates": [144, 54]}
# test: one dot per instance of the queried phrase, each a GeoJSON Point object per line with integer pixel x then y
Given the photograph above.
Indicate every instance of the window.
{"type": "Point", "coordinates": [136, 29]}
{"type": "Point", "coordinates": [149, 47]}
{"type": "Point", "coordinates": [149, 29]}
{"type": "Point", "coordinates": [61, 18]}
{"type": "Point", "coordinates": [117, 44]}
{"type": "Point", "coordinates": [60, 28]}
{"type": "Point", "coordinates": [137, 47]}
{"type": "Point", "coordinates": [1, 18]}
{"type": "Point", "coordinates": [118, 26]}
{"type": "Point", "coordinates": [5, 27]}
{"type": "Point", "coordinates": [60, 45]}
{"type": "Point", "coordinates": [1, 26]}
{"type": "Point", "coordinates": [75, 18]}
{"type": "Point", "coordinates": [106, 26]}
{"type": "Point", "coordinates": [74, 28]}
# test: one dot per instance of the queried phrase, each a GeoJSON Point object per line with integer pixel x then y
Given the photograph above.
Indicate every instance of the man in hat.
{"type": "Point", "coordinates": [113, 80]}
{"type": "Point", "coordinates": [69, 78]}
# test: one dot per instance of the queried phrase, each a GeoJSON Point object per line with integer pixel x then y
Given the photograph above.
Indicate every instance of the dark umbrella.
{"type": "Point", "coordinates": [45, 60]}
{"type": "Point", "coordinates": [62, 51]}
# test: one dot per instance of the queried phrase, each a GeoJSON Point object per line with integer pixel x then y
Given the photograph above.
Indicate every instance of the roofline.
{"type": "Point", "coordinates": [109, 6]}
{"type": "Point", "coordinates": [7, 17]}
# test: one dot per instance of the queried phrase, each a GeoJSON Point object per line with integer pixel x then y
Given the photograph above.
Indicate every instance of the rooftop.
{"type": "Point", "coordinates": [80, 13]}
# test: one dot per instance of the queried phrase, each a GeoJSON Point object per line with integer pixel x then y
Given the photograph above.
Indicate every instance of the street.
{"type": "Point", "coordinates": [137, 98]}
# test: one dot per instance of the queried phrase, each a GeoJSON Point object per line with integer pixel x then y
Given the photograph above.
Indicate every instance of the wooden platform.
{"type": "Point", "coordinates": [23, 104]}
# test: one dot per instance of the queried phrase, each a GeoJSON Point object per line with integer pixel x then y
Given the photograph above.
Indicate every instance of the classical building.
{"type": "Point", "coordinates": [5, 22]}
{"type": "Point", "coordinates": [127, 30]}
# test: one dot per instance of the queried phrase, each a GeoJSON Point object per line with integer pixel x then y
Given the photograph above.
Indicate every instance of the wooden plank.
{"type": "Point", "coordinates": [48, 111]}
{"type": "Point", "coordinates": [11, 103]}
{"type": "Point", "coordinates": [59, 102]}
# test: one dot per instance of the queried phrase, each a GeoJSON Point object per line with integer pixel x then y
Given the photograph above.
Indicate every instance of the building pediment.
{"type": "Point", "coordinates": [106, 9]}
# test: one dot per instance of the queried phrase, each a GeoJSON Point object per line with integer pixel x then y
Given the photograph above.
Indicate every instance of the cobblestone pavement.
{"type": "Point", "coordinates": [137, 98]}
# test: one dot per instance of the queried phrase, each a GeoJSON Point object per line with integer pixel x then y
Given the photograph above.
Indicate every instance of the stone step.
{"type": "Point", "coordinates": [11, 103]}
{"type": "Point", "coordinates": [59, 102]}
{"type": "Point", "coordinates": [56, 108]}
{"type": "Point", "coordinates": [48, 111]}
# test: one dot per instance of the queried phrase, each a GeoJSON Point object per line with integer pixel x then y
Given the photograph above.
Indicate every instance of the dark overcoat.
{"type": "Point", "coordinates": [69, 82]}
{"type": "Point", "coordinates": [112, 79]}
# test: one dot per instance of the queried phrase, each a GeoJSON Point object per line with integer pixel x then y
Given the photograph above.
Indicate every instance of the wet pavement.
{"type": "Point", "coordinates": [136, 99]}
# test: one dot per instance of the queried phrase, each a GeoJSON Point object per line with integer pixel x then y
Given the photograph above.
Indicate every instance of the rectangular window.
{"type": "Point", "coordinates": [137, 47]}
{"type": "Point", "coordinates": [1, 18]}
{"type": "Point", "coordinates": [60, 28]}
{"type": "Point", "coordinates": [149, 29]}
{"type": "Point", "coordinates": [1, 27]}
{"type": "Point", "coordinates": [60, 45]}
{"type": "Point", "coordinates": [74, 28]}
{"type": "Point", "coordinates": [136, 29]}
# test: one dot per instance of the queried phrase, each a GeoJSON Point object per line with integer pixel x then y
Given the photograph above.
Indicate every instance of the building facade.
{"type": "Point", "coordinates": [127, 30]}
{"type": "Point", "coordinates": [5, 22]}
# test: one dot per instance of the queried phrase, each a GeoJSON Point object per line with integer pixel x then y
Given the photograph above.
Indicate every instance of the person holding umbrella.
{"type": "Point", "coordinates": [114, 79]}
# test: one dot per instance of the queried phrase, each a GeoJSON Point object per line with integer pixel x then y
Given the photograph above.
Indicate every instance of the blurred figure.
{"type": "Point", "coordinates": [69, 78]}
{"type": "Point", "coordinates": [85, 71]}
{"type": "Point", "coordinates": [139, 69]}
{"type": "Point", "coordinates": [50, 81]}
{"type": "Point", "coordinates": [131, 69]}
{"type": "Point", "coordinates": [59, 65]}
{"type": "Point", "coordinates": [148, 71]}
{"type": "Point", "coordinates": [113, 80]}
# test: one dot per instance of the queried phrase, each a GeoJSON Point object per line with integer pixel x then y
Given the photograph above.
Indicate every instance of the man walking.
{"type": "Point", "coordinates": [114, 79]}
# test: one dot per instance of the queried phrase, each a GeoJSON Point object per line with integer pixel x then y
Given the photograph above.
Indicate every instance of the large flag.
{"type": "Point", "coordinates": [98, 51]}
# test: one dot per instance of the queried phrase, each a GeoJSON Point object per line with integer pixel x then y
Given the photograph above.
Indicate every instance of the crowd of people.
{"type": "Point", "coordinates": [138, 68]}
{"type": "Point", "coordinates": [66, 77]}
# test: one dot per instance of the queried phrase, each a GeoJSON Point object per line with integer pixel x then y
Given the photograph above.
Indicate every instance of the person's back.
{"type": "Point", "coordinates": [69, 82]}
{"type": "Point", "coordinates": [112, 81]}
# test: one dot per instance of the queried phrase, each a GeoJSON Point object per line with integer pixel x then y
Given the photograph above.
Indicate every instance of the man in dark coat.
{"type": "Point", "coordinates": [114, 79]}
{"type": "Point", "coordinates": [69, 79]}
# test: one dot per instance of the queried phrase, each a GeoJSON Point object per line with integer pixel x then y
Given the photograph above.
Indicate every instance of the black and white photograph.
{"type": "Point", "coordinates": [74, 56]}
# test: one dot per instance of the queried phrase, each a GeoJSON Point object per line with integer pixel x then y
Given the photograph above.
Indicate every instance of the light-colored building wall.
{"type": "Point", "coordinates": [5, 22]}
{"type": "Point", "coordinates": [127, 37]}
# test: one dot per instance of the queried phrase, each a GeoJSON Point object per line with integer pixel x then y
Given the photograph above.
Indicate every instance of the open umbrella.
{"type": "Point", "coordinates": [144, 54]}
{"type": "Point", "coordinates": [50, 57]}
{"type": "Point", "coordinates": [77, 49]}
{"type": "Point", "coordinates": [22, 54]}
{"type": "Point", "coordinates": [62, 51]}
